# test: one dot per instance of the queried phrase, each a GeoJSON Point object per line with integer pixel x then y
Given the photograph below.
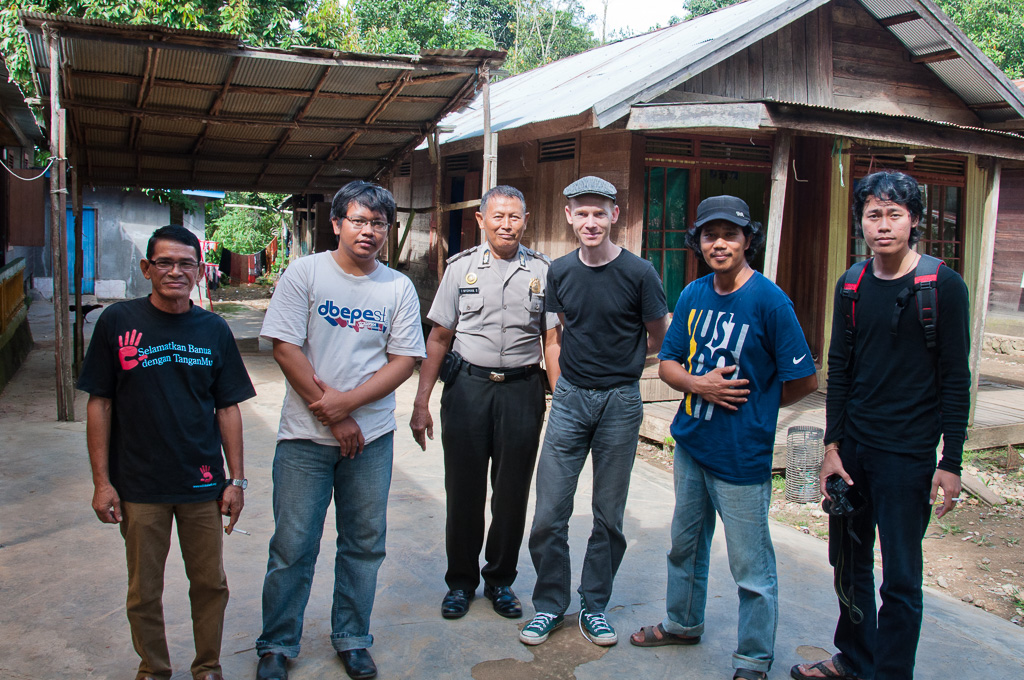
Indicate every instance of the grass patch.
{"type": "Point", "coordinates": [778, 483]}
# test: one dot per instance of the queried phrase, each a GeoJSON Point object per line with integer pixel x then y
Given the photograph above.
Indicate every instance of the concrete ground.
{"type": "Point", "coordinates": [63, 578]}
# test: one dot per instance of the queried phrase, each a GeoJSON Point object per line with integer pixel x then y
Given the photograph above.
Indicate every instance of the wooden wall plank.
{"type": "Point", "coordinates": [872, 71]}
{"type": "Point", "coordinates": [1006, 294]}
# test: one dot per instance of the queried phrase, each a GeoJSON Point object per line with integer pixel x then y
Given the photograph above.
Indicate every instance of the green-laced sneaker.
{"type": "Point", "coordinates": [538, 629]}
{"type": "Point", "coordinates": [595, 627]}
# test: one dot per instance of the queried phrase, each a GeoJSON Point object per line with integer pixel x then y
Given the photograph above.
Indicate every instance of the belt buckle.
{"type": "Point", "coordinates": [497, 377]}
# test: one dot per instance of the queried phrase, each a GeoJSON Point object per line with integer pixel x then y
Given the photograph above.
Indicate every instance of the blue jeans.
{"type": "Point", "coordinates": [895, 487]}
{"type": "Point", "coordinates": [744, 512]}
{"type": "Point", "coordinates": [605, 423]}
{"type": "Point", "coordinates": [305, 476]}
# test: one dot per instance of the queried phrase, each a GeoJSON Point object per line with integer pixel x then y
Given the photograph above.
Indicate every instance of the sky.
{"type": "Point", "coordinates": [638, 15]}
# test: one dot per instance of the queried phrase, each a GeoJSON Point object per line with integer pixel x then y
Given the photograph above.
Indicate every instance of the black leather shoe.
{"type": "Point", "coordinates": [456, 603]}
{"type": "Point", "coordinates": [358, 663]}
{"type": "Point", "coordinates": [272, 667]}
{"type": "Point", "coordinates": [505, 601]}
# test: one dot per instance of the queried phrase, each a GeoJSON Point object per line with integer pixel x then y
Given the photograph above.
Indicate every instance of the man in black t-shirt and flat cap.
{"type": "Point", "coordinates": [164, 380]}
{"type": "Point", "coordinates": [614, 314]}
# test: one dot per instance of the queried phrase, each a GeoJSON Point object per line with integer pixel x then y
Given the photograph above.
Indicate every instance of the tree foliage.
{"type": "Point", "coordinates": [545, 31]}
{"type": "Point", "coordinates": [244, 230]}
{"type": "Point", "coordinates": [698, 8]}
{"type": "Point", "coordinates": [996, 26]}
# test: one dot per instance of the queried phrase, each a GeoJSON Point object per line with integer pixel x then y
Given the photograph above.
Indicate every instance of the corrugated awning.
{"type": "Point", "coordinates": [155, 107]}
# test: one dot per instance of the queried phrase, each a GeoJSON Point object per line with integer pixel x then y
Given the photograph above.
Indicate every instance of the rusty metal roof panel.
{"type": "Point", "coordinates": [197, 101]}
{"type": "Point", "coordinates": [212, 146]}
{"type": "Point", "coordinates": [192, 67]}
{"type": "Point", "coordinates": [264, 72]}
{"type": "Point", "coordinates": [266, 107]}
{"type": "Point", "coordinates": [359, 80]}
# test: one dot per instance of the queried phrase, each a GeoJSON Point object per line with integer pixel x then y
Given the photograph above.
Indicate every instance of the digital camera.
{"type": "Point", "coordinates": [845, 500]}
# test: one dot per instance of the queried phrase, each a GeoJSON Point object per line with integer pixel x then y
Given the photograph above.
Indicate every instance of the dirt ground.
{"type": "Point", "coordinates": [243, 292]}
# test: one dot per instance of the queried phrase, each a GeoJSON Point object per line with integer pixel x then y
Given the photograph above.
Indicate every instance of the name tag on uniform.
{"type": "Point", "coordinates": [468, 291]}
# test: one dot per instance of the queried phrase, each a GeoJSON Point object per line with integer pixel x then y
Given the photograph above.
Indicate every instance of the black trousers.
{"type": "Point", "coordinates": [883, 645]}
{"type": "Point", "coordinates": [485, 422]}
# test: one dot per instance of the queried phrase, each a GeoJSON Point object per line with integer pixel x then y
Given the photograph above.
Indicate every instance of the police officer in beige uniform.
{"type": "Point", "coordinates": [491, 301]}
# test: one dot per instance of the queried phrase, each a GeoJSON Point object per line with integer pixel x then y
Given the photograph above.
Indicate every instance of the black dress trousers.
{"type": "Point", "coordinates": [483, 422]}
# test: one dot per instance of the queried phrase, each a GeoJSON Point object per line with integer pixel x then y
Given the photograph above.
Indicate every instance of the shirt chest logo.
{"type": "Point", "coordinates": [356, 319]}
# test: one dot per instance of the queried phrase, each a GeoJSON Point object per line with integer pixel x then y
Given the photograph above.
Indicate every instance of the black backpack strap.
{"type": "Point", "coordinates": [849, 296]}
{"type": "Point", "coordinates": [926, 288]}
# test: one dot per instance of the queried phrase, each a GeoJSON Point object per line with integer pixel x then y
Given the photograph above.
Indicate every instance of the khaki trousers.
{"type": "Point", "coordinates": [146, 528]}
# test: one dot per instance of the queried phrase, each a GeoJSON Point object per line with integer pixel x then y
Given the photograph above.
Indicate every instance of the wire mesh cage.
{"type": "Point", "coordinates": [805, 450]}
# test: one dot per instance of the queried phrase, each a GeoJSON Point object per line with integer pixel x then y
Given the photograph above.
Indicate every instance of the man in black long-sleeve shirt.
{"type": "Point", "coordinates": [889, 399]}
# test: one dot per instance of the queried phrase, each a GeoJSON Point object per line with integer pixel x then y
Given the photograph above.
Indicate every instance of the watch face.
{"type": "Point", "coordinates": [241, 482]}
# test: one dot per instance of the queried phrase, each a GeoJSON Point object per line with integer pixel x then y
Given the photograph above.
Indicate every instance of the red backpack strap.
{"type": "Point", "coordinates": [926, 288]}
{"type": "Point", "coordinates": [849, 295]}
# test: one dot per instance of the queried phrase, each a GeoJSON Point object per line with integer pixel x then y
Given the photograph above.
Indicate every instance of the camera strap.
{"type": "Point", "coordinates": [856, 615]}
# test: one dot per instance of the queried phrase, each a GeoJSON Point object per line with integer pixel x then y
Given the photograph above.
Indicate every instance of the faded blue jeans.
{"type": "Point", "coordinates": [306, 474]}
{"type": "Point", "coordinates": [744, 512]}
{"type": "Point", "coordinates": [606, 424]}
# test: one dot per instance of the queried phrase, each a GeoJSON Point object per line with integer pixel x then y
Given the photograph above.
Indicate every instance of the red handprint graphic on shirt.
{"type": "Point", "coordinates": [129, 344]}
{"type": "Point", "coordinates": [207, 477]}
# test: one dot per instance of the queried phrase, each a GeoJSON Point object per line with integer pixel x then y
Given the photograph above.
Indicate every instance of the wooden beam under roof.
{"type": "Point", "coordinates": [216, 158]}
{"type": "Point", "coordinates": [226, 88]}
{"type": "Point", "coordinates": [898, 19]}
{"type": "Point", "coordinates": [933, 57]}
{"type": "Point", "coordinates": [245, 121]}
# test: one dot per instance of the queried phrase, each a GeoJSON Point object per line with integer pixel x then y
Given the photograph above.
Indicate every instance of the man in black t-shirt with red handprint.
{"type": "Point", "coordinates": [164, 380]}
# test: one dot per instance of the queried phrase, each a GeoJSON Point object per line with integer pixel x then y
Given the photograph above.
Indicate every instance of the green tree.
{"type": "Point", "coordinates": [698, 8]}
{"type": "Point", "coordinates": [244, 230]}
{"type": "Point", "coordinates": [407, 26]}
{"type": "Point", "coordinates": [996, 26]}
{"type": "Point", "coordinates": [547, 30]}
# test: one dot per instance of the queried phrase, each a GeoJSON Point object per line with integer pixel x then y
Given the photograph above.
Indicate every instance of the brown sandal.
{"type": "Point", "coordinates": [840, 673]}
{"type": "Point", "coordinates": [657, 636]}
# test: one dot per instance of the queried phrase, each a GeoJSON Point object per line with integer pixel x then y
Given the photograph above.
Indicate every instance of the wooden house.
{"type": "Point", "coordinates": [784, 103]}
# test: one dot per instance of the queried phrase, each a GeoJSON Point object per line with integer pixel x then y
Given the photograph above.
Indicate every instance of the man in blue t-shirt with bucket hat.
{"type": "Point", "coordinates": [736, 350]}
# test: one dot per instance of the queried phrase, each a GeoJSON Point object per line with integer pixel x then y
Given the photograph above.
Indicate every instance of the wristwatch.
{"type": "Point", "coordinates": [239, 482]}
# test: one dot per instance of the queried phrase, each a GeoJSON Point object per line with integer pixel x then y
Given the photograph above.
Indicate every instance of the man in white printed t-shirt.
{"type": "Point", "coordinates": [346, 333]}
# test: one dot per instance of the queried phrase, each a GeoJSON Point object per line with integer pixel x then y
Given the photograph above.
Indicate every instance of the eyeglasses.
{"type": "Point", "coordinates": [379, 226]}
{"type": "Point", "coordinates": [168, 265]}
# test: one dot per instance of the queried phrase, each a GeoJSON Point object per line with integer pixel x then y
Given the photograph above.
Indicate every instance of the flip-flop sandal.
{"type": "Point", "coordinates": [747, 674]}
{"type": "Point", "coordinates": [666, 638]}
{"type": "Point", "coordinates": [838, 674]}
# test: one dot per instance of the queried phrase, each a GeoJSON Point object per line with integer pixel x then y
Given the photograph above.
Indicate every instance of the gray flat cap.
{"type": "Point", "coordinates": [590, 185]}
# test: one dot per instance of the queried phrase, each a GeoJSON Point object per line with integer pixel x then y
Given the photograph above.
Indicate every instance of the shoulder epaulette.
{"type": "Point", "coordinates": [540, 256]}
{"type": "Point", "coordinates": [461, 254]}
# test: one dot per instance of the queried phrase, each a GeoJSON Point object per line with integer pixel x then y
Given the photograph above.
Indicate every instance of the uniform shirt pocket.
{"type": "Point", "coordinates": [533, 308]}
{"type": "Point", "coordinates": [471, 308]}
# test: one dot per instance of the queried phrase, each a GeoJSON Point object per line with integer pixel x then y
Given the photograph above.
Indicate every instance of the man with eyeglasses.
{"type": "Point", "coordinates": [346, 333]}
{"type": "Point", "coordinates": [164, 379]}
{"type": "Point", "coordinates": [491, 303]}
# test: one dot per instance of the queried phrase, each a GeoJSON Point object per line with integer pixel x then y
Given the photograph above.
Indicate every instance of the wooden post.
{"type": "Point", "coordinates": [777, 205]}
{"type": "Point", "coordinates": [76, 209]}
{"type": "Point", "coordinates": [983, 281]}
{"type": "Point", "coordinates": [434, 149]}
{"type": "Point", "coordinates": [489, 176]}
{"type": "Point", "coordinates": [59, 241]}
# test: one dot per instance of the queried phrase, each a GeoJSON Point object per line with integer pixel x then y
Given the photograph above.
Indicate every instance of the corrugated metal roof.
{"type": "Point", "coordinates": [150, 106]}
{"type": "Point", "coordinates": [646, 66]}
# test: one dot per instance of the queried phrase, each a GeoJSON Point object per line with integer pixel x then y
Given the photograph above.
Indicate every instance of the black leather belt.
{"type": "Point", "coordinates": [501, 374]}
